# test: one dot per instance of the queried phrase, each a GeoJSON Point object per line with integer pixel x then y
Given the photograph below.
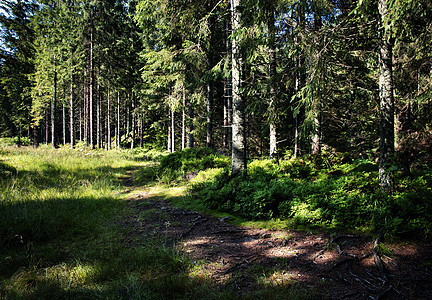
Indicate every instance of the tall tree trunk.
{"type": "Point", "coordinates": [98, 118]}
{"type": "Point", "coordinates": [209, 107]}
{"type": "Point", "coordinates": [316, 107]}
{"type": "Point", "coordinates": [172, 131]}
{"type": "Point", "coordinates": [300, 80]}
{"type": "Point", "coordinates": [64, 122]}
{"type": "Point", "coordinates": [238, 124]}
{"type": "Point", "coordinates": [316, 141]}
{"type": "Point", "coordinates": [272, 74]}
{"type": "Point", "coordinates": [46, 127]}
{"type": "Point", "coordinates": [108, 121]}
{"type": "Point", "coordinates": [133, 122]}
{"type": "Point", "coordinates": [72, 132]}
{"type": "Point", "coordinates": [141, 130]}
{"type": "Point", "coordinates": [118, 122]}
{"type": "Point", "coordinates": [53, 112]}
{"type": "Point", "coordinates": [386, 102]}
{"type": "Point", "coordinates": [127, 123]}
{"type": "Point", "coordinates": [91, 122]}
{"type": "Point", "coordinates": [169, 144]}
{"type": "Point", "coordinates": [36, 133]}
{"type": "Point", "coordinates": [191, 126]}
{"type": "Point", "coordinates": [81, 122]}
{"type": "Point", "coordinates": [86, 116]}
{"type": "Point", "coordinates": [183, 141]}
{"type": "Point", "coordinates": [227, 117]}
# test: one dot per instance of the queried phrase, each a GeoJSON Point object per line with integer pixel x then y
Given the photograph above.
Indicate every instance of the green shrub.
{"type": "Point", "coordinates": [178, 164]}
{"type": "Point", "coordinates": [320, 191]}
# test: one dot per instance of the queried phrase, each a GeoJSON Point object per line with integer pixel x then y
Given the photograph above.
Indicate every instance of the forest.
{"type": "Point", "coordinates": [305, 115]}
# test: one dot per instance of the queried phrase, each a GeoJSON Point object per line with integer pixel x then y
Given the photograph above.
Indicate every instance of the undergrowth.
{"type": "Point", "coordinates": [327, 191]}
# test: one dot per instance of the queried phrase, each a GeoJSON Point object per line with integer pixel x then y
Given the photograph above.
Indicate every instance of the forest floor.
{"type": "Point", "coordinates": [243, 259]}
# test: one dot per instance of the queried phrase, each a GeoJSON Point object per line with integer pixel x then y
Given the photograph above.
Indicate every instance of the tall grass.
{"type": "Point", "coordinates": [58, 233]}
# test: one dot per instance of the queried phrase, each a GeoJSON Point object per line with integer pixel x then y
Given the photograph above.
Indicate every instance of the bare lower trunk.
{"type": "Point", "coordinates": [169, 144]}
{"type": "Point", "coordinates": [91, 89]}
{"type": "Point", "coordinates": [98, 119]}
{"type": "Point", "coordinates": [108, 121]}
{"type": "Point", "coordinates": [133, 124]}
{"type": "Point", "coordinates": [118, 121]}
{"type": "Point", "coordinates": [64, 124]}
{"type": "Point", "coordinates": [272, 74]}
{"type": "Point", "coordinates": [238, 124]}
{"type": "Point", "coordinates": [315, 146]}
{"type": "Point", "coordinates": [172, 131]}
{"type": "Point", "coordinates": [386, 103]}
{"type": "Point", "coordinates": [209, 106]}
{"type": "Point", "coordinates": [53, 112]}
{"type": "Point", "coordinates": [72, 132]}
{"type": "Point", "coordinates": [183, 138]}
{"type": "Point", "coordinates": [191, 126]}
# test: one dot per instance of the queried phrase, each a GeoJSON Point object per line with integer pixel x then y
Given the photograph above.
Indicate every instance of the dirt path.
{"type": "Point", "coordinates": [242, 258]}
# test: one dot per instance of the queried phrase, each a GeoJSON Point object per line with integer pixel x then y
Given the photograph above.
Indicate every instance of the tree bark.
{"type": "Point", "coordinates": [272, 74]}
{"type": "Point", "coordinates": [191, 126]}
{"type": "Point", "coordinates": [238, 124]}
{"type": "Point", "coordinates": [118, 122]}
{"type": "Point", "coordinates": [316, 143]}
{"type": "Point", "coordinates": [71, 112]}
{"type": "Point", "coordinates": [98, 118]}
{"type": "Point", "coordinates": [53, 112]}
{"type": "Point", "coordinates": [64, 123]}
{"type": "Point", "coordinates": [316, 107]}
{"type": "Point", "coordinates": [209, 107]}
{"type": "Point", "coordinates": [91, 86]}
{"type": "Point", "coordinates": [183, 141]}
{"type": "Point", "coordinates": [172, 131]}
{"type": "Point", "coordinates": [386, 102]}
{"type": "Point", "coordinates": [169, 144]}
{"type": "Point", "coordinates": [108, 121]}
{"type": "Point", "coordinates": [300, 80]}
{"type": "Point", "coordinates": [133, 122]}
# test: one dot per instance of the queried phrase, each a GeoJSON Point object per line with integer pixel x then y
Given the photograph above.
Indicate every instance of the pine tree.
{"type": "Point", "coordinates": [238, 124]}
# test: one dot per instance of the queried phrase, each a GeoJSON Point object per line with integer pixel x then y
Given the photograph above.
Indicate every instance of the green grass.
{"type": "Point", "coordinates": [60, 233]}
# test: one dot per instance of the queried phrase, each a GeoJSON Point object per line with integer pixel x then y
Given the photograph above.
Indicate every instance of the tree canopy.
{"type": "Point", "coordinates": [309, 74]}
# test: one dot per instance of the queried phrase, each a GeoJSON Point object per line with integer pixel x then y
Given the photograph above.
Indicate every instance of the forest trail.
{"type": "Point", "coordinates": [244, 258]}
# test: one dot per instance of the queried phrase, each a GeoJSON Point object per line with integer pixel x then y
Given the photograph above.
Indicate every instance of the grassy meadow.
{"type": "Point", "coordinates": [62, 212]}
{"type": "Point", "coordinates": [59, 232]}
